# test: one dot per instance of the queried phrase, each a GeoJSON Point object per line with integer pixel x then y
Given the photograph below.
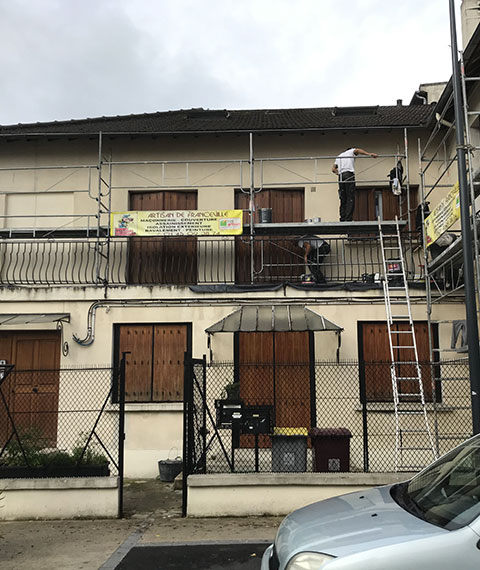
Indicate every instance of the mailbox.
{"type": "Point", "coordinates": [227, 412]}
{"type": "Point", "coordinates": [257, 420]}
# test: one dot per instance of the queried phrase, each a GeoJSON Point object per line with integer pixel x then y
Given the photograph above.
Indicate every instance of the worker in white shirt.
{"type": "Point", "coordinates": [344, 168]}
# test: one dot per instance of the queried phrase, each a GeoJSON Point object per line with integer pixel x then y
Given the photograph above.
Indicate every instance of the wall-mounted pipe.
{"type": "Point", "coordinates": [217, 302]}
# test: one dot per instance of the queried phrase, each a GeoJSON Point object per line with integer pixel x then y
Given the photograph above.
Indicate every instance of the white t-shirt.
{"type": "Point", "coordinates": [345, 161]}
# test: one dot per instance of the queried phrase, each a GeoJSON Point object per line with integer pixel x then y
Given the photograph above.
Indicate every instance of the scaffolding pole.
{"type": "Point", "coordinates": [469, 278]}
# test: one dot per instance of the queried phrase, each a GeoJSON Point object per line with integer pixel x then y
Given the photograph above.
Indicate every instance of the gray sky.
{"type": "Point", "coordinates": [66, 59]}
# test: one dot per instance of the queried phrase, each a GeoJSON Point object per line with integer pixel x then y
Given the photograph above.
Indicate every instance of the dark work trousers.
{"type": "Point", "coordinates": [314, 259]}
{"type": "Point", "coordinates": [346, 193]}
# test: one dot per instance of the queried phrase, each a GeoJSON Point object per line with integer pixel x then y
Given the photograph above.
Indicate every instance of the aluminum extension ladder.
{"type": "Point", "coordinates": [414, 444]}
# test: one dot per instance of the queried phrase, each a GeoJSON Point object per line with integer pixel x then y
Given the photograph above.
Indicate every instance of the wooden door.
{"type": "Point", "coordinates": [276, 258]}
{"type": "Point", "coordinates": [375, 359]}
{"type": "Point", "coordinates": [33, 385]}
{"type": "Point", "coordinates": [170, 260]}
{"type": "Point", "coordinates": [274, 370]}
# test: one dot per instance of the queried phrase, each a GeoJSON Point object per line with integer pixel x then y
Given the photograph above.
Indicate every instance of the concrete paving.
{"type": "Point", "coordinates": [153, 518]}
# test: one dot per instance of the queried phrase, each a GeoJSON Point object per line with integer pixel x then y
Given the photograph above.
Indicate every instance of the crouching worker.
{"type": "Point", "coordinates": [315, 250]}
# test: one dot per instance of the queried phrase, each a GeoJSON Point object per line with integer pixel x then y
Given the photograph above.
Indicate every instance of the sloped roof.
{"type": "Point", "coordinates": [267, 318]}
{"type": "Point", "coordinates": [215, 121]}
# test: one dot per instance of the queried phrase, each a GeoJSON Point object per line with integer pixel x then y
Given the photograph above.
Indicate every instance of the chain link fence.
{"type": "Point", "coordinates": [314, 417]}
{"type": "Point", "coordinates": [58, 423]}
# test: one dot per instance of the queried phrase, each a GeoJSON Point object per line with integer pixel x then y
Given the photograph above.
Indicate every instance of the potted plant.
{"type": "Point", "coordinates": [232, 391]}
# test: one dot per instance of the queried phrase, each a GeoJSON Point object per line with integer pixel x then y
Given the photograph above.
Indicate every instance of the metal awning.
{"type": "Point", "coordinates": [33, 318]}
{"type": "Point", "coordinates": [268, 318]}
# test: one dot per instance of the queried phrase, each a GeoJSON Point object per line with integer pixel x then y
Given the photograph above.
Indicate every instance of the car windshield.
{"type": "Point", "coordinates": [447, 493]}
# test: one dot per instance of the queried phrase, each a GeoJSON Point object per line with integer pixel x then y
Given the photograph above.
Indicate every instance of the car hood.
{"type": "Point", "coordinates": [350, 523]}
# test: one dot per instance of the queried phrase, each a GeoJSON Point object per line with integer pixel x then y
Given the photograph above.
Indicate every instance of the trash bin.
{"type": "Point", "coordinates": [331, 449]}
{"type": "Point", "coordinates": [289, 450]}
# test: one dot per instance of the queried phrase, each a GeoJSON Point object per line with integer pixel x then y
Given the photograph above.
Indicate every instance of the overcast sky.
{"type": "Point", "coordinates": [72, 59]}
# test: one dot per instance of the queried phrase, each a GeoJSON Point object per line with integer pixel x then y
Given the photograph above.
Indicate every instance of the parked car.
{"type": "Point", "coordinates": [431, 521]}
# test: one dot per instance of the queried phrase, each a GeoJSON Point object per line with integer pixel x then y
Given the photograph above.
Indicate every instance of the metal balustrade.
{"type": "Point", "coordinates": [191, 260]}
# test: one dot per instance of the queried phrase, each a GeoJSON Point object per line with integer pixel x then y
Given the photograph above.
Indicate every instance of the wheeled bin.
{"type": "Point", "coordinates": [289, 450]}
{"type": "Point", "coordinates": [331, 448]}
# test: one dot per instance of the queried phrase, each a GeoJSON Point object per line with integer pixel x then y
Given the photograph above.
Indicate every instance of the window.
{"type": "Point", "coordinates": [154, 367]}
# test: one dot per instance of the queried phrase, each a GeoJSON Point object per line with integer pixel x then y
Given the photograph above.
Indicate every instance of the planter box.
{"type": "Point", "coordinates": [7, 472]}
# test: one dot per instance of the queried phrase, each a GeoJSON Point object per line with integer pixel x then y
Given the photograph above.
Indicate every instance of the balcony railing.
{"type": "Point", "coordinates": [192, 261]}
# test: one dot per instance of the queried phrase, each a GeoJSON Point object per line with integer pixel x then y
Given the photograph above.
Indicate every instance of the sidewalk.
{"type": "Point", "coordinates": [153, 515]}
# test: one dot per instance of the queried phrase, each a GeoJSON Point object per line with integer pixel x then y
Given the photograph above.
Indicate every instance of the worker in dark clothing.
{"type": "Point", "coordinates": [315, 249]}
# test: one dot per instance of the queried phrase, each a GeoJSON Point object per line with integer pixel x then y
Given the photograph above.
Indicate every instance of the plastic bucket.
{"type": "Point", "coordinates": [169, 469]}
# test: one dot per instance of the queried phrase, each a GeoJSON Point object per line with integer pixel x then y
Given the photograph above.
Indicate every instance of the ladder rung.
{"type": "Point", "coordinates": [402, 346]}
{"type": "Point", "coordinates": [397, 288]}
{"type": "Point", "coordinates": [400, 316]}
{"type": "Point", "coordinates": [391, 247]}
{"type": "Point", "coordinates": [402, 332]}
{"type": "Point", "coordinates": [410, 395]}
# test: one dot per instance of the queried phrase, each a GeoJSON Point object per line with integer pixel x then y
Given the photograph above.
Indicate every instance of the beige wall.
{"type": "Point", "coordinates": [86, 497]}
{"type": "Point", "coordinates": [272, 494]}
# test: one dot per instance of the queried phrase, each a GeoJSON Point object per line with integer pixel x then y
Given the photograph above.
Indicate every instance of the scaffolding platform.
{"type": "Point", "coordinates": [324, 228]}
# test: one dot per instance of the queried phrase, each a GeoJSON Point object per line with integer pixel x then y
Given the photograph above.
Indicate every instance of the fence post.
{"type": "Point", "coordinates": [121, 430]}
{"type": "Point", "coordinates": [187, 427]}
{"type": "Point", "coordinates": [363, 400]}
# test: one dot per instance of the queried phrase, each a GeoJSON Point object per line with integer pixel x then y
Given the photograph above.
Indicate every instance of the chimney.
{"type": "Point", "coordinates": [399, 102]}
{"type": "Point", "coordinates": [470, 14]}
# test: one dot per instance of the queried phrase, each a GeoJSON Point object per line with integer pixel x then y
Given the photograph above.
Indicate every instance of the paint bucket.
{"type": "Point", "coordinates": [265, 215]}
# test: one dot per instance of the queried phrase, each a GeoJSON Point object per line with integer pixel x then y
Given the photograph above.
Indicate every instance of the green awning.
{"type": "Point", "coordinates": [269, 318]}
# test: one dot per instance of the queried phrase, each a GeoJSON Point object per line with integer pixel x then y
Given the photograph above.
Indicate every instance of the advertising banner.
{"type": "Point", "coordinates": [443, 216]}
{"type": "Point", "coordinates": [177, 223]}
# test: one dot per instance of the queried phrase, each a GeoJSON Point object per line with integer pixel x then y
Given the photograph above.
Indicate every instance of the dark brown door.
{"type": "Point", "coordinates": [276, 258]}
{"type": "Point", "coordinates": [274, 370]}
{"type": "Point", "coordinates": [375, 360]}
{"type": "Point", "coordinates": [171, 260]}
{"type": "Point", "coordinates": [154, 367]}
{"type": "Point", "coordinates": [32, 388]}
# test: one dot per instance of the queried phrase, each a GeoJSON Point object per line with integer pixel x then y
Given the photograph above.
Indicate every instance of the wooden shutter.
{"type": "Point", "coordinates": [154, 367]}
{"type": "Point", "coordinates": [163, 259]}
{"type": "Point", "coordinates": [170, 344]}
{"type": "Point", "coordinates": [137, 339]}
{"type": "Point", "coordinates": [365, 204]}
{"type": "Point", "coordinates": [376, 349]}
